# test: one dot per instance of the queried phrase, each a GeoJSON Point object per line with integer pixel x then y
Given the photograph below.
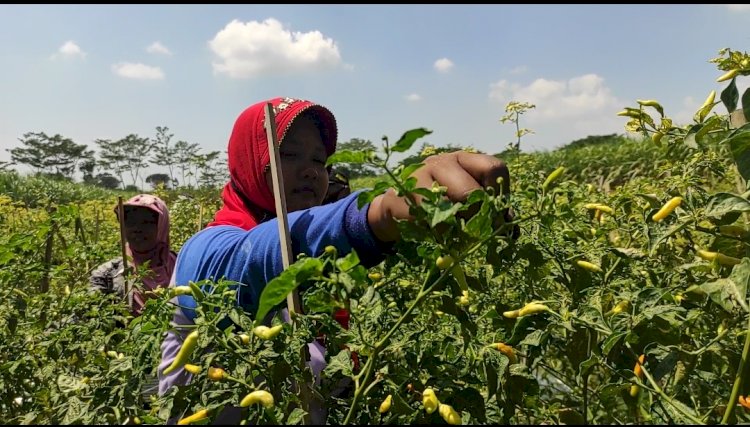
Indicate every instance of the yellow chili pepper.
{"type": "Point", "coordinates": [193, 369]}
{"type": "Point", "coordinates": [589, 266]}
{"type": "Point", "coordinates": [719, 257]}
{"type": "Point", "coordinates": [430, 400]}
{"type": "Point", "coordinates": [449, 414]}
{"type": "Point", "coordinates": [181, 290]}
{"type": "Point", "coordinates": [216, 374]}
{"type": "Point", "coordinates": [200, 415]}
{"type": "Point", "coordinates": [191, 341]}
{"type": "Point", "coordinates": [375, 276]}
{"type": "Point", "coordinates": [266, 333]}
{"type": "Point", "coordinates": [599, 206]}
{"type": "Point", "coordinates": [245, 339]}
{"type": "Point", "coordinates": [728, 75]}
{"type": "Point", "coordinates": [386, 405]}
{"type": "Point", "coordinates": [656, 137]}
{"type": "Point", "coordinates": [667, 209]}
{"type": "Point", "coordinates": [258, 396]}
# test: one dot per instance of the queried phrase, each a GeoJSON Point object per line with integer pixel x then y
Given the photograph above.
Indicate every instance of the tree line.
{"type": "Point", "coordinates": [59, 157]}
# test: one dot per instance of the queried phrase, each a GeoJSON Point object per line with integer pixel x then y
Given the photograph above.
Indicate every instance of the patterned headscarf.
{"type": "Point", "coordinates": [247, 198]}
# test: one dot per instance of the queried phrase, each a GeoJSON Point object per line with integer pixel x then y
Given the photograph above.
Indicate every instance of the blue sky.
{"type": "Point", "coordinates": [105, 71]}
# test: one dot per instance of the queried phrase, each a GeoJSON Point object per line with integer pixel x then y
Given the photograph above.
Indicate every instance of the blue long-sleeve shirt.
{"type": "Point", "coordinates": [252, 258]}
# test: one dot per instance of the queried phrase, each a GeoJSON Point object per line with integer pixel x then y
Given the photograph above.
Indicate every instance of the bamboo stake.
{"type": "Point", "coordinates": [293, 302]}
{"type": "Point", "coordinates": [44, 287]}
{"type": "Point", "coordinates": [121, 216]}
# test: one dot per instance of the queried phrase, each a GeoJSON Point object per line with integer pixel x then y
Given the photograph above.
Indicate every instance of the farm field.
{"type": "Point", "coordinates": [622, 299]}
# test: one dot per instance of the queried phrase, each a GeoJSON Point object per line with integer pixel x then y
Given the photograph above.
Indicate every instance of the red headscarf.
{"type": "Point", "coordinates": [162, 260]}
{"type": "Point", "coordinates": [247, 197]}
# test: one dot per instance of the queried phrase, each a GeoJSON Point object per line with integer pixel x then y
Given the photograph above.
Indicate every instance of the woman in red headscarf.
{"type": "Point", "coordinates": [147, 247]}
{"type": "Point", "coordinates": [242, 243]}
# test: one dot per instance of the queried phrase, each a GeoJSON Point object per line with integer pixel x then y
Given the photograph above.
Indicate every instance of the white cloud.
{"type": "Point", "coordinates": [518, 70]}
{"type": "Point", "coordinates": [139, 71]}
{"type": "Point", "coordinates": [738, 7]}
{"type": "Point", "coordinates": [581, 96]}
{"type": "Point", "coordinates": [251, 49]}
{"type": "Point", "coordinates": [157, 47]}
{"type": "Point", "coordinates": [413, 97]}
{"type": "Point", "coordinates": [565, 109]}
{"type": "Point", "coordinates": [443, 65]}
{"type": "Point", "coordinates": [69, 49]}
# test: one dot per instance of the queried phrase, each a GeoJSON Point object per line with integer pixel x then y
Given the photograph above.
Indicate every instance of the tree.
{"type": "Point", "coordinates": [157, 179]}
{"type": "Point", "coordinates": [112, 157]}
{"type": "Point", "coordinates": [136, 150]}
{"type": "Point", "coordinates": [213, 170]}
{"type": "Point", "coordinates": [185, 153]}
{"type": "Point", "coordinates": [356, 170]}
{"type": "Point", "coordinates": [87, 167]}
{"type": "Point", "coordinates": [164, 154]}
{"type": "Point", "coordinates": [50, 155]}
{"type": "Point", "coordinates": [108, 181]}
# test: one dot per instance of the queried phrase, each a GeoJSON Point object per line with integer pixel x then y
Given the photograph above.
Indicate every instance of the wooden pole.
{"type": "Point", "coordinates": [293, 302]}
{"type": "Point", "coordinates": [44, 287]}
{"type": "Point", "coordinates": [121, 216]}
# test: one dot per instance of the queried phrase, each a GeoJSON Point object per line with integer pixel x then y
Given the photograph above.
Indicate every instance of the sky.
{"type": "Point", "coordinates": [106, 71]}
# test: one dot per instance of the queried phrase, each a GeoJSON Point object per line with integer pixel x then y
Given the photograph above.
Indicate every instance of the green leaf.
{"type": "Point", "coordinates": [746, 104]}
{"type": "Point", "coordinates": [277, 289]}
{"type": "Point", "coordinates": [345, 156]}
{"type": "Point", "coordinates": [534, 338]}
{"type": "Point", "coordinates": [739, 144]}
{"type": "Point", "coordinates": [722, 204]}
{"type": "Point", "coordinates": [408, 170]}
{"type": "Point", "coordinates": [612, 341]}
{"type": "Point", "coordinates": [586, 365]}
{"type": "Point", "coordinates": [677, 411]}
{"type": "Point", "coordinates": [348, 262]}
{"type": "Point", "coordinates": [342, 362]}
{"type": "Point", "coordinates": [409, 138]}
{"type": "Point", "coordinates": [731, 292]}
{"type": "Point", "coordinates": [366, 197]}
{"type": "Point", "coordinates": [729, 96]}
{"type": "Point", "coordinates": [295, 417]}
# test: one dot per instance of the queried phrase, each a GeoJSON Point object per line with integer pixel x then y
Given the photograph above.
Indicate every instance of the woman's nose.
{"type": "Point", "coordinates": [310, 173]}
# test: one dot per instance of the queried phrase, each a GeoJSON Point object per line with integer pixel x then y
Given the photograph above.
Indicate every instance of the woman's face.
{"type": "Point", "coordinates": [303, 164]}
{"type": "Point", "coordinates": [140, 228]}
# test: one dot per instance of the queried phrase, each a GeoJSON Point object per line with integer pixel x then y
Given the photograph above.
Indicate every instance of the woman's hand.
{"type": "Point", "coordinates": [460, 172]}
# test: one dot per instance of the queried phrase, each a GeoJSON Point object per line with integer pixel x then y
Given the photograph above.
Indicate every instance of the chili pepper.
{"type": "Point", "coordinates": [667, 209]}
{"type": "Point", "coordinates": [258, 396]}
{"type": "Point", "coordinates": [728, 75]}
{"type": "Point", "coordinates": [216, 374]}
{"type": "Point", "coordinates": [733, 230]}
{"type": "Point", "coordinates": [245, 339]}
{"type": "Point", "coordinates": [191, 341]}
{"type": "Point", "coordinates": [444, 262]}
{"type": "Point", "coordinates": [552, 177]}
{"type": "Point", "coordinates": [386, 405]}
{"type": "Point", "coordinates": [589, 266]}
{"type": "Point", "coordinates": [458, 274]}
{"type": "Point", "coordinates": [193, 369]}
{"type": "Point", "coordinates": [200, 415]}
{"type": "Point", "coordinates": [638, 371]}
{"type": "Point", "coordinates": [430, 400]}
{"type": "Point", "coordinates": [181, 290]}
{"type": "Point", "coordinates": [375, 276]}
{"type": "Point", "coordinates": [449, 414]}
{"type": "Point", "coordinates": [719, 257]}
{"type": "Point", "coordinates": [656, 137]}
{"type": "Point", "coordinates": [197, 292]}
{"type": "Point", "coordinates": [599, 206]}
{"type": "Point", "coordinates": [506, 350]}
{"type": "Point", "coordinates": [266, 333]}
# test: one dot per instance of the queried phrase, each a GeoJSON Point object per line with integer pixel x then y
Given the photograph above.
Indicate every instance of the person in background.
{"type": "Point", "coordinates": [147, 247]}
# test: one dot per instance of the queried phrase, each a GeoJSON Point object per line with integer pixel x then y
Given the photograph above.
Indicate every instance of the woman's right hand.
{"type": "Point", "coordinates": [459, 171]}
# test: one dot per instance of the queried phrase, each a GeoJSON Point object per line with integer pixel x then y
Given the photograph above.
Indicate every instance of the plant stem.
{"type": "Point", "coordinates": [738, 378]}
{"type": "Point", "coordinates": [668, 399]}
